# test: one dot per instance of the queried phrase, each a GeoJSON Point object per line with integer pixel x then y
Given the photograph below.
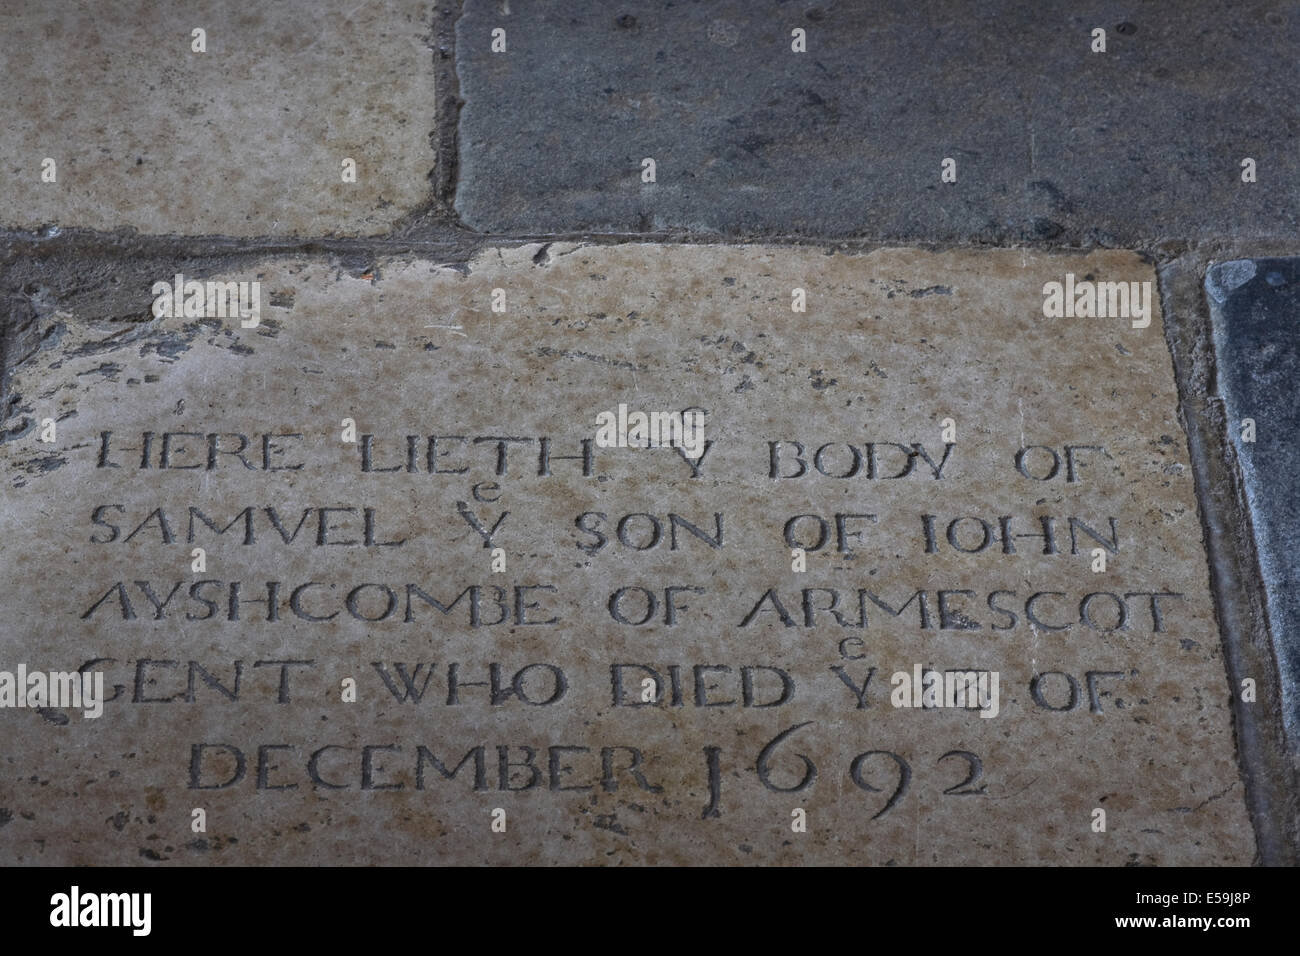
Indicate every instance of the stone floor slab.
{"type": "Point", "coordinates": [245, 139]}
{"type": "Point", "coordinates": [1050, 140]}
{"type": "Point", "coordinates": [908, 387]}
{"type": "Point", "coordinates": [1254, 304]}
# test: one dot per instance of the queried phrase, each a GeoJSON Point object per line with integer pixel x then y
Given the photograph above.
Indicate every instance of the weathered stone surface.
{"type": "Point", "coordinates": [1051, 140]}
{"type": "Point", "coordinates": [892, 344]}
{"type": "Point", "coordinates": [1254, 304]}
{"type": "Point", "coordinates": [246, 139]}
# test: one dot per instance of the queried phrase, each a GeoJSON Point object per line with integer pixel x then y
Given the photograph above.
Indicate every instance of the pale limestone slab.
{"type": "Point", "coordinates": [892, 343]}
{"type": "Point", "coordinates": [245, 139]}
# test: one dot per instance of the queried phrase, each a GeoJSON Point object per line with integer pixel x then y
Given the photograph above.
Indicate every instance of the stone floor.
{"type": "Point", "coordinates": [647, 185]}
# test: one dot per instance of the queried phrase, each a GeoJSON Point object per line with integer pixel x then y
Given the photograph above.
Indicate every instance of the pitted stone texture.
{"type": "Point", "coordinates": [892, 344]}
{"type": "Point", "coordinates": [1255, 306]}
{"type": "Point", "coordinates": [1051, 141]}
{"type": "Point", "coordinates": [247, 139]}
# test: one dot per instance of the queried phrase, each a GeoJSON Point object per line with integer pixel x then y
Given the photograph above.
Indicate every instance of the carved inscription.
{"type": "Point", "coordinates": [389, 591]}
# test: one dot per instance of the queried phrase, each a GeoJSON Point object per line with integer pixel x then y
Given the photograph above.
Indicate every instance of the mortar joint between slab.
{"type": "Point", "coordinates": [440, 209]}
{"type": "Point", "coordinates": [1264, 756]}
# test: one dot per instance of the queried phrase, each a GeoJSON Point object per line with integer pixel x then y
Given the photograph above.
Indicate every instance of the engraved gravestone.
{"type": "Point", "coordinates": [379, 573]}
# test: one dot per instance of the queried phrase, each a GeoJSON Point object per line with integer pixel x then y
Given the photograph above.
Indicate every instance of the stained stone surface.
{"type": "Point", "coordinates": [1115, 702]}
{"type": "Point", "coordinates": [1051, 141]}
{"type": "Point", "coordinates": [1255, 305]}
{"type": "Point", "coordinates": [246, 139]}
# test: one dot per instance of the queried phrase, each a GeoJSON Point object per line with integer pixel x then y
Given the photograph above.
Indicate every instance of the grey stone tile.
{"type": "Point", "coordinates": [1255, 306]}
{"type": "Point", "coordinates": [1050, 139]}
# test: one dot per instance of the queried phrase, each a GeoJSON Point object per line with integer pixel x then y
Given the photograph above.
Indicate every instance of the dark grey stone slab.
{"type": "Point", "coordinates": [1052, 141]}
{"type": "Point", "coordinates": [1255, 305]}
